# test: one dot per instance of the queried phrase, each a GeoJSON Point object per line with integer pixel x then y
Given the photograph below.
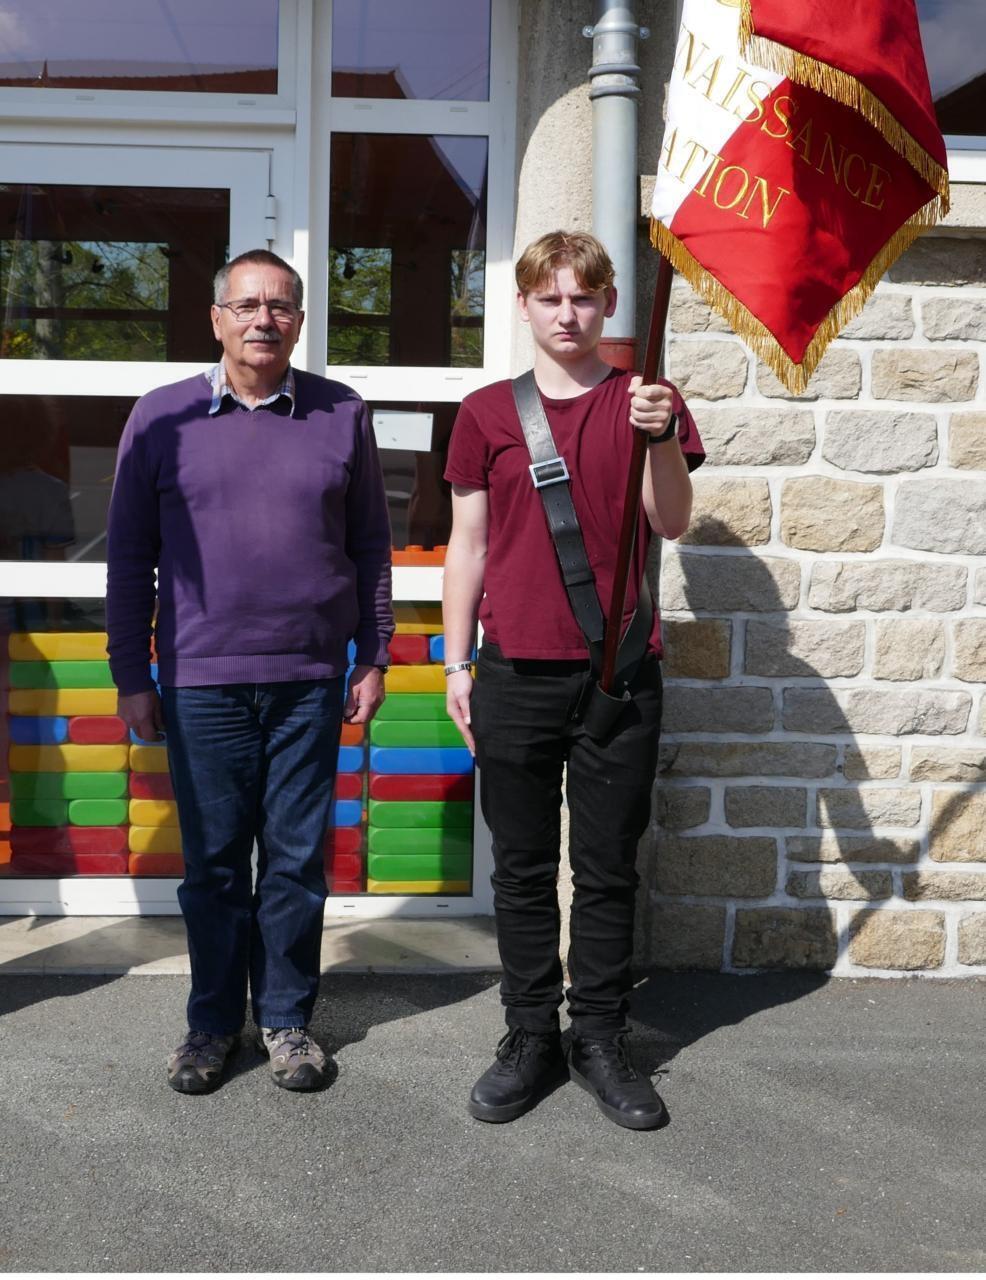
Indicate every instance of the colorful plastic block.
{"type": "Point", "coordinates": [156, 864]}
{"type": "Point", "coordinates": [52, 840]}
{"type": "Point", "coordinates": [60, 675]}
{"type": "Point", "coordinates": [436, 650]}
{"type": "Point", "coordinates": [349, 786]}
{"type": "Point", "coordinates": [155, 840]}
{"type": "Point", "coordinates": [417, 886]}
{"type": "Point", "coordinates": [346, 813]}
{"type": "Point", "coordinates": [428, 841]}
{"type": "Point", "coordinates": [421, 760]}
{"type": "Point", "coordinates": [151, 786]}
{"type": "Point", "coordinates": [343, 888]}
{"type": "Point", "coordinates": [416, 679]}
{"type": "Point", "coordinates": [412, 706]}
{"type": "Point", "coordinates": [135, 741]}
{"type": "Point", "coordinates": [414, 554]}
{"type": "Point", "coordinates": [409, 649]}
{"type": "Point", "coordinates": [69, 786]}
{"type": "Point", "coordinates": [342, 840]}
{"type": "Point", "coordinates": [40, 811]}
{"type": "Point", "coordinates": [420, 814]}
{"type": "Point", "coordinates": [153, 813]}
{"type": "Point", "coordinates": [403, 866]}
{"type": "Point", "coordinates": [68, 758]}
{"type": "Point", "coordinates": [346, 866]}
{"type": "Point", "coordinates": [97, 813]}
{"type": "Point", "coordinates": [149, 759]}
{"type": "Point", "coordinates": [353, 735]}
{"type": "Point", "coordinates": [37, 730]}
{"type": "Point", "coordinates": [421, 786]}
{"type": "Point", "coordinates": [420, 619]}
{"type": "Point", "coordinates": [28, 646]}
{"type": "Point", "coordinates": [414, 733]}
{"type": "Point", "coordinates": [93, 729]}
{"type": "Point", "coordinates": [69, 864]}
{"type": "Point", "coordinates": [62, 702]}
{"type": "Point", "coordinates": [350, 760]}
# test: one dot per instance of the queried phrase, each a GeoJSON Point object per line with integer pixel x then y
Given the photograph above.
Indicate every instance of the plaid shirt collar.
{"type": "Point", "coordinates": [216, 377]}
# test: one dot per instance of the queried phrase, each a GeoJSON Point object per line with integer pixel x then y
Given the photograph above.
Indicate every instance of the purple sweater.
{"type": "Point", "coordinates": [268, 530]}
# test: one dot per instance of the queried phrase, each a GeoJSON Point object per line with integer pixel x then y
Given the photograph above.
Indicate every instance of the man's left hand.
{"type": "Point", "coordinates": [365, 696]}
{"type": "Point", "coordinates": [650, 406]}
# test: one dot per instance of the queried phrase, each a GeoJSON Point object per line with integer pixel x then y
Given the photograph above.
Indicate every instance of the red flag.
{"type": "Point", "coordinates": [801, 157]}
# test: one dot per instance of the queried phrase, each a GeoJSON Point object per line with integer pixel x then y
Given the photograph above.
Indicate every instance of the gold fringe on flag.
{"type": "Point", "coordinates": [755, 334]}
{"type": "Point", "coordinates": [846, 89]}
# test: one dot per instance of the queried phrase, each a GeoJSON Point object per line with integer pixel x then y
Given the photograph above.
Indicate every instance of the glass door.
{"type": "Point", "coordinates": [107, 255]}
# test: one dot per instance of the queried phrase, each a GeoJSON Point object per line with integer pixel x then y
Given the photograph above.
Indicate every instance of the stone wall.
{"type": "Point", "coordinates": [822, 796]}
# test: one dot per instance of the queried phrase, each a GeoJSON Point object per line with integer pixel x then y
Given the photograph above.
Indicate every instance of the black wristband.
{"type": "Point", "coordinates": [670, 430]}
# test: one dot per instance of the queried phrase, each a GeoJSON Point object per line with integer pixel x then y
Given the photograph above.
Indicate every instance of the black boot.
{"type": "Point", "coordinates": [526, 1066]}
{"type": "Point", "coordinates": [604, 1069]}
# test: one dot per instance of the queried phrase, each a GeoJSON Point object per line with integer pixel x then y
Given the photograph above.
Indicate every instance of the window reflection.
{"type": "Point", "coordinates": [428, 49]}
{"type": "Point", "coordinates": [407, 261]}
{"type": "Point", "coordinates": [225, 46]}
{"type": "Point", "coordinates": [109, 273]}
{"type": "Point", "coordinates": [419, 499]}
{"type": "Point", "coordinates": [954, 37]}
{"type": "Point", "coordinates": [57, 455]}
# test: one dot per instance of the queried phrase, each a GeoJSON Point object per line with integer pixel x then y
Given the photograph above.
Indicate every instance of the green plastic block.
{"type": "Point", "coordinates": [415, 733]}
{"type": "Point", "coordinates": [413, 706]}
{"type": "Point", "coordinates": [68, 786]}
{"type": "Point", "coordinates": [60, 675]}
{"type": "Point", "coordinates": [418, 840]}
{"type": "Point", "coordinates": [97, 813]}
{"type": "Point", "coordinates": [431, 814]}
{"type": "Point", "coordinates": [39, 812]}
{"type": "Point", "coordinates": [404, 866]}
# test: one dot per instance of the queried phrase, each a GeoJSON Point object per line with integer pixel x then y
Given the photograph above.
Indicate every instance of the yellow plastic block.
{"type": "Point", "coordinates": [28, 646]}
{"type": "Point", "coordinates": [69, 758]}
{"type": "Point", "coordinates": [414, 679]}
{"type": "Point", "coordinates": [416, 886]}
{"type": "Point", "coordinates": [62, 702]}
{"type": "Point", "coordinates": [148, 760]}
{"type": "Point", "coordinates": [153, 813]}
{"type": "Point", "coordinates": [155, 840]}
{"type": "Point", "coordinates": [418, 619]}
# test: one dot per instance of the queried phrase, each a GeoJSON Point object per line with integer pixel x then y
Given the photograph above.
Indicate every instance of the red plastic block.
{"type": "Point", "coordinates": [421, 786]}
{"type": "Point", "coordinates": [344, 866]}
{"type": "Point", "coordinates": [344, 888]}
{"type": "Point", "coordinates": [405, 649]}
{"type": "Point", "coordinates": [343, 840]}
{"type": "Point", "coordinates": [83, 841]}
{"type": "Point", "coordinates": [69, 864]}
{"type": "Point", "coordinates": [151, 786]}
{"type": "Point", "coordinates": [96, 729]}
{"type": "Point", "coordinates": [353, 735]}
{"type": "Point", "coordinates": [349, 786]}
{"type": "Point", "coordinates": [157, 864]}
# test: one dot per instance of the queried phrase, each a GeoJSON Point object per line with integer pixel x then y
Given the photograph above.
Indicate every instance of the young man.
{"type": "Point", "coordinates": [255, 493]}
{"type": "Point", "coordinates": [519, 717]}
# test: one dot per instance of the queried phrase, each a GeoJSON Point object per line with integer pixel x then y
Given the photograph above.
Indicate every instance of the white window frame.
{"type": "Point", "coordinates": [28, 103]}
{"type": "Point", "coordinates": [494, 120]}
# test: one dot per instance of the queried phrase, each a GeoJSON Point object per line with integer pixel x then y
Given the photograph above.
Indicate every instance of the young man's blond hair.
{"type": "Point", "coordinates": [590, 263]}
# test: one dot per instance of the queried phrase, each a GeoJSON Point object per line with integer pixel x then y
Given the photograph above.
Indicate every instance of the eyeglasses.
{"type": "Point", "coordinates": [245, 309]}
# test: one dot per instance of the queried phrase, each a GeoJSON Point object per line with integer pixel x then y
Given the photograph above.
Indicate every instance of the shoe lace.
{"type": "Point", "coordinates": [511, 1048]}
{"type": "Point", "coordinates": [614, 1056]}
{"type": "Point", "coordinates": [297, 1037]}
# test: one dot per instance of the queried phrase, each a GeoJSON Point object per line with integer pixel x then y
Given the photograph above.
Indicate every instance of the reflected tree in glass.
{"type": "Point", "coordinates": [359, 306]}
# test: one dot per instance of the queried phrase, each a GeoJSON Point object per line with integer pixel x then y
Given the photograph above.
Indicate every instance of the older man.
{"type": "Point", "coordinates": [255, 492]}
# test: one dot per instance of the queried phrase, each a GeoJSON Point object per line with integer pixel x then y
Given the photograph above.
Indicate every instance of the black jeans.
{"type": "Point", "coordinates": [522, 721]}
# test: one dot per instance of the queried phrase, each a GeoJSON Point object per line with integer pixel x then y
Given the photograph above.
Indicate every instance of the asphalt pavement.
{"type": "Point", "coordinates": [816, 1125]}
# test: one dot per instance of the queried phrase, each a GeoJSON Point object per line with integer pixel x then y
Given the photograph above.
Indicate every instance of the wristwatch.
{"type": "Point", "coordinates": [670, 430]}
{"type": "Point", "coordinates": [382, 667]}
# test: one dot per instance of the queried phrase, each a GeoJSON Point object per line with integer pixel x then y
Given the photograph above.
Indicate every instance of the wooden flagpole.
{"type": "Point", "coordinates": [635, 477]}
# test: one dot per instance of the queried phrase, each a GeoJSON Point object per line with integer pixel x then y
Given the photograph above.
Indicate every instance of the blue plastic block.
{"type": "Point", "coordinates": [436, 649]}
{"type": "Point", "coordinates": [33, 731]}
{"type": "Point", "coordinates": [147, 742]}
{"type": "Point", "coordinates": [346, 813]}
{"type": "Point", "coordinates": [421, 760]}
{"type": "Point", "coordinates": [351, 760]}
{"type": "Point", "coordinates": [351, 652]}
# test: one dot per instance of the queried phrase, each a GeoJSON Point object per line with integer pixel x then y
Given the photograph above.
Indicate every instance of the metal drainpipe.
{"type": "Point", "coordinates": [615, 197]}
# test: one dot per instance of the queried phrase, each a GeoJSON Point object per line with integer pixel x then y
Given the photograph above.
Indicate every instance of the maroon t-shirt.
{"type": "Point", "coordinates": [525, 609]}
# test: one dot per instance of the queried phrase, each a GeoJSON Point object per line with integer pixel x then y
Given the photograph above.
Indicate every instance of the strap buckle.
{"type": "Point", "coordinates": [551, 471]}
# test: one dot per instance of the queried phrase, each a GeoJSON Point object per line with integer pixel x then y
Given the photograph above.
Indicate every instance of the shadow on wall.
{"type": "Point", "coordinates": [762, 852]}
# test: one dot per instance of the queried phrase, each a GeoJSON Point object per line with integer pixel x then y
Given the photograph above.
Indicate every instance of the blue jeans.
{"type": "Point", "coordinates": [253, 762]}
